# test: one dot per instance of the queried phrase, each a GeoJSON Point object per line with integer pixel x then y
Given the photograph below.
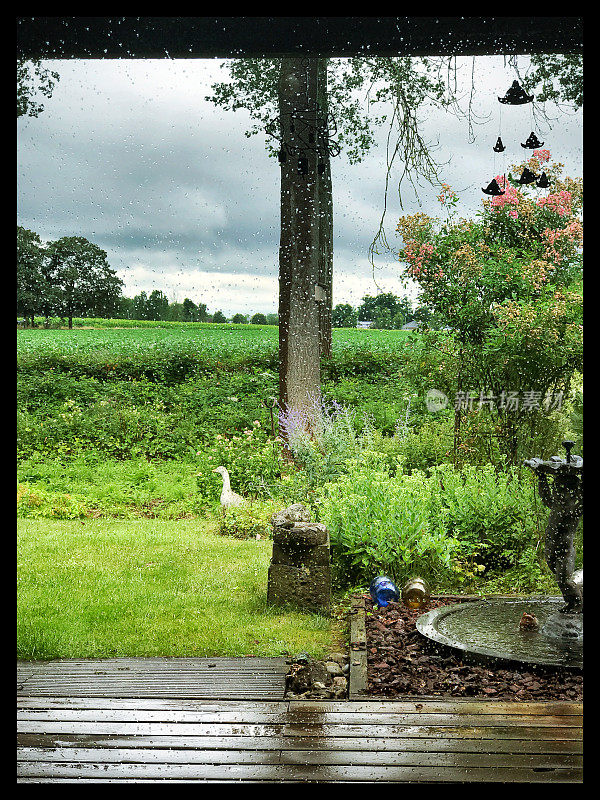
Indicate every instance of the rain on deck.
{"type": "Point", "coordinates": [225, 720]}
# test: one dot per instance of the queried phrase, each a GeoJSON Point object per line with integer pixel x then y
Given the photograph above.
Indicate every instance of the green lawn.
{"type": "Point", "coordinates": [107, 588]}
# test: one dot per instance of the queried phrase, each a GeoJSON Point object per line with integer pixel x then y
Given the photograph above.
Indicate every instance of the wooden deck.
{"type": "Point", "coordinates": [198, 678]}
{"type": "Point", "coordinates": [153, 723]}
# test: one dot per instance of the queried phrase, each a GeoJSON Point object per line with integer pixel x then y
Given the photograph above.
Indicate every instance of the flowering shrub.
{"type": "Point", "coordinates": [504, 283]}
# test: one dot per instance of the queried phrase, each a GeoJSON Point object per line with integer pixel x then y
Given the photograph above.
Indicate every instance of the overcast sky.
{"type": "Point", "coordinates": [129, 154]}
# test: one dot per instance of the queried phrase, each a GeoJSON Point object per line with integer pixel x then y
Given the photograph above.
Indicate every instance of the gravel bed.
{"type": "Point", "coordinates": [400, 663]}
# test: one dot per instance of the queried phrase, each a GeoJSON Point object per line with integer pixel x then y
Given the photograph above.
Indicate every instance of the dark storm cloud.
{"type": "Point", "coordinates": [131, 156]}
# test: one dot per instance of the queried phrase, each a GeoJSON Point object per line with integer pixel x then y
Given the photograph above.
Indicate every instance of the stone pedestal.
{"type": "Point", "coordinates": [299, 573]}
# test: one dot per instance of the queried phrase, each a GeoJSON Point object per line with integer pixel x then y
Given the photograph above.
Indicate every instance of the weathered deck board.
{"type": "Point", "coordinates": [210, 678]}
{"type": "Point", "coordinates": [92, 739]}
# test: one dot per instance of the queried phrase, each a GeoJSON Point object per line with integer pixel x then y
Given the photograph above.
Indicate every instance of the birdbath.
{"type": "Point", "coordinates": [493, 630]}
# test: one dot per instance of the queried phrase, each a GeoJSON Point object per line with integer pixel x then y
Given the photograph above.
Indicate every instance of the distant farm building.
{"type": "Point", "coordinates": [410, 326]}
{"type": "Point", "coordinates": [364, 323]}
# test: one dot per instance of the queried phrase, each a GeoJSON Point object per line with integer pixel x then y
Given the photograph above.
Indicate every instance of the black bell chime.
{"type": "Point", "coordinates": [516, 96]}
{"type": "Point", "coordinates": [543, 182]}
{"type": "Point", "coordinates": [527, 176]}
{"type": "Point", "coordinates": [533, 142]}
{"type": "Point", "coordinates": [493, 188]}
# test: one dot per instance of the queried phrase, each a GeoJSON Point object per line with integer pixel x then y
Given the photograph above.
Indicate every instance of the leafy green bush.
{"type": "Point", "coordinates": [381, 524]}
{"type": "Point", "coordinates": [422, 449]}
{"type": "Point", "coordinates": [490, 512]}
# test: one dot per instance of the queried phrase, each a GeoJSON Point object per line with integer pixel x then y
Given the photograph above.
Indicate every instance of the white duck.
{"type": "Point", "coordinates": [228, 498]}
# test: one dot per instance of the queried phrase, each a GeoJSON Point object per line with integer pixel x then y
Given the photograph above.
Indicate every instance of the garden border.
{"type": "Point", "coordinates": [357, 675]}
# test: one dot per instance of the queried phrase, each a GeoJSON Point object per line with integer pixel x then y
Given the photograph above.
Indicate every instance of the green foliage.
{"type": "Point", "coordinates": [423, 448]}
{"type": "Point", "coordinates": [33, 78]}
{"type": "Point", "coordinates": [385, 310]}
{"type": "Point", "coordinates": [450, 526]}
{"type": "Point", "coordinates": [380, 524]}
{"type": "Point", "coordinates": [35, 502]}
{"type": "Point", "coordinates": [490, 512]}
{"type": "Point", "coordinates": [557, 77]}
{"type": "Point", "coordinates": [343, 316]}
{"type": "Point", "coordinates": [406, 83]}
{"type": "Point", "coordinates": [252, 521]}
{"type": "Point", "coordinates": [253, 463]}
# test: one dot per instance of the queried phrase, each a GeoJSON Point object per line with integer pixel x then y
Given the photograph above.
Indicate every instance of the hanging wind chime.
{"type": "Point", "coordinates": [516, 96]}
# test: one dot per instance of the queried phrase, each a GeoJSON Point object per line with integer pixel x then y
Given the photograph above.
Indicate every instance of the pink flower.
{"type": "Point", "coordinates": [560, 202]}
{"type": "Point", "coordinates": [510, 196]}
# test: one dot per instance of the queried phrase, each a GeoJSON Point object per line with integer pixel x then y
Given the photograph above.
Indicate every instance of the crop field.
{"type": "Point", "coordinates": [205, 340]}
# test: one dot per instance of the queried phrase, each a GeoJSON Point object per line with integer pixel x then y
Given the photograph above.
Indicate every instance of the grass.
{"type": "Point", "coordinates": [107, 588]}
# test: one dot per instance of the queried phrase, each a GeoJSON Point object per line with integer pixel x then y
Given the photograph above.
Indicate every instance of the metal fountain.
{"type": "Point", "coordinates": [541, 631]}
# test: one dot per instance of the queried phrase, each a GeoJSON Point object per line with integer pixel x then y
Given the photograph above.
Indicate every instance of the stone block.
{"type": "Point", "coordinates": [305, 587]}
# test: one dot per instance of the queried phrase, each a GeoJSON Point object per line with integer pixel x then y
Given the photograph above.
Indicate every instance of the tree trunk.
{"type": "Point", "coordinates": [299, 369]}
{"type": "Point", "coordinates": [325, 220]}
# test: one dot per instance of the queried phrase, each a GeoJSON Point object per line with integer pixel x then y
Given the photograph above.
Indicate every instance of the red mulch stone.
{"type": "Point", "coordinates": [400, 662]}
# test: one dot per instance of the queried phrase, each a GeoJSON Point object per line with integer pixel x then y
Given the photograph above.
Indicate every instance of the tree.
{"type": "Point", "coordinates": [175, 312]}
{"type": "Point", "coordinates": [558, 78]}
{"type": "Point", "coordinates": [126, 308]}
{"type": "Point", "coordinates": [240, 319]}
{"type": "Point", "coordinates": [303, 104]}
{"type": "Point", "coordinates": [344, 316]}
{"type": "Point", "coordinates": [507, 284]}
{"type": "Point", "coordinates": [385, 310]}
{"type": "Point", "coordinates": [299, 250]}
{"type": "Point", "coordinates": [32, 78]}
{"type": "Point", "coordinates": [258, 319]}
{"type": "Point", "coordinates": [140, 302]}
{"type": "Point", "coordinates": [31, 281]}
{"type": "Point", "coordinates": [218, 316]}
{"type": "Point", "coordinates": [157, 305]}
{"type": "Point", "coordinates": [190, 310]}
{"type": "Point", "coordinates": [84, 282]}
{"type": "Point", "coordinates": [331, 90]}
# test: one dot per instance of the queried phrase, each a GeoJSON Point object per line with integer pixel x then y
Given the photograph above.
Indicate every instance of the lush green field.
{"type": "Point", "coordinates": [102, 588]}
{"type": "Point", "coordinates": [154, 397]}
{"type": "Point", "coordinates": [198, 344]}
